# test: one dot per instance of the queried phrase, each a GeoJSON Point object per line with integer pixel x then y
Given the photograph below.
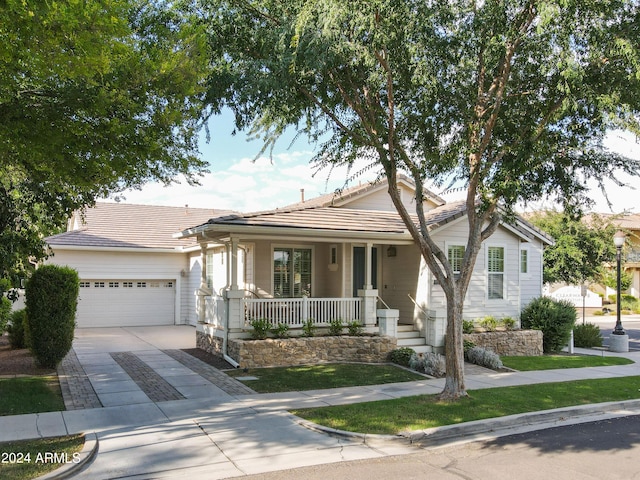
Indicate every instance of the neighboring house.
{"type": "Point", "coordinates": [630, 224]}
{"type": "Point", "coordinates": [341, 256]}
{"type": "Point", "coordinates": [349, 256]}
{"type": "Point", "coordinates": [132, 270]}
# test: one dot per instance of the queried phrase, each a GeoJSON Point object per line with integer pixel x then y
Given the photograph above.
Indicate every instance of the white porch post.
{"type": "Point", "coordinates": [368, 294]}
{"type": "Point", "coordinates": [203, 291]}
{"type": "Point", "coordinates": [233, 294]}
{"type": "Point", "coordinates": [367, 267]}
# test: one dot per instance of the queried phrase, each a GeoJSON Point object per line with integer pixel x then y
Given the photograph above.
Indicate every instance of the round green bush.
{"type": "Point", "coordinates": [555, 318]}
{"type": "Point", "coordinates": [16, 328]}
{"type": "Point", "coordinates": [587, 335]}
{"type": "Point", "coordinates": [401, 356]}
{"type": "Point", "coordinates": [51, 298]}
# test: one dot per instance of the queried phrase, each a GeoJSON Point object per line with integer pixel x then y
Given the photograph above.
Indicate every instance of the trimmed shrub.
{"type": "Point", "coordinates": [336, 326]}
{"type": "Point", "coordinates": [489, 323]}
{"type": "Point", "coordinates": [509, 323]}
{"type": "Point", "coordinates": [51, 298]}
{"type": "Point", "coordinates": [555, 318]}
{"type": "Point", "coordinates": [484, 357]}
{"type": "Point", "coordinates": [430, 363]}
{"type": "Point", "coordinates": [467, 326]}
{"type": "Point", "coordinates": [16, 328]}
{"type": "Point", "coordinates": [309, 329]}
{"type": "Point", "coordinates": [354, 328]}
{"type": "Point", "coordinates": [261, 327]}
{"type": "Point", "coordinates": [5, 312]}
{"type": "Point", "coordinates": [281, 331]}
{"type": "Point", "coordinates": [587, 335]}
{"type": "Point", "coordinates": [401, 356]}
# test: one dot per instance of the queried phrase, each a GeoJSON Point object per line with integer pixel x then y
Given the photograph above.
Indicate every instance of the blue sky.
{"type": "Point", "coordinates": [236, 182]}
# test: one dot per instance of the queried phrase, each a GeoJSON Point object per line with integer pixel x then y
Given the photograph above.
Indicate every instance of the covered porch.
{"type": "Point", "coordinates": [313, 266]}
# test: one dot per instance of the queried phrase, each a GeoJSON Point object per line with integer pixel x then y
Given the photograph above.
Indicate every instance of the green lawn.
{"type": "Point", "coordinates": [550, 362]}
{"type": "Point", "coordinates": [426, 411]}
{"type": "Point", "coordinates": [30, 395]}
{"type": "Point", "coordinates": [313, 377]}
{"type": "Point", "coordinates": [30, 459]}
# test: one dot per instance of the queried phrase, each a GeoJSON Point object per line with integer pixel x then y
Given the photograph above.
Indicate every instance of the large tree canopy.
{"type": "Point", "coordinates": [95, 97]}
{"type": "Point", "coordinates": [509, 101]}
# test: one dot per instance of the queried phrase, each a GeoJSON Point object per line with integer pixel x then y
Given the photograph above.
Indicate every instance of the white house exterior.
{"type": "Point", "coordinates": [346, 256]}
{"type": "Point", "coordinates": [356, 261]}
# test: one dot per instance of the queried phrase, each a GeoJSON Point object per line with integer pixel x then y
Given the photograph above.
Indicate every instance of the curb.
{"type": "Point", "coordinates": [87, 454]}
{"type": "Point", "coordinates": [500, 425]}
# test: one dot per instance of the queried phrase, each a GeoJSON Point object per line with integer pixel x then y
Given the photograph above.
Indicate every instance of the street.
{"type": "Point", "coordinates": [630, 324]}
{"type": "Point", "coordinates": [597, 450]}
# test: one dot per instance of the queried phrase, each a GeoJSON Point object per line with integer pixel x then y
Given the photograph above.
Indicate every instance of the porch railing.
{"type": "Point", "coordinates": [295, 312]}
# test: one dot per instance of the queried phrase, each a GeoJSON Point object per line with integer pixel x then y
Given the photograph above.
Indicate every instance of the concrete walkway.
{"type": "Point", "coordinates": [158, 414]}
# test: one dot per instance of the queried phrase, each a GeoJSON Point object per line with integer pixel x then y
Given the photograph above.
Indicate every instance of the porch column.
{"type": "Point", "coordinates": [234, 264]}
{"type": "Point", "coordinates": [369, 302]}
{"type": "Point", "coordinates": [203, 291]}
{"type": "Point", "coordinates": [233, 295]}
{"type": "Point", "coordinates": [368, 294]}
{"type": "Point", "coordinates": [368, 285]}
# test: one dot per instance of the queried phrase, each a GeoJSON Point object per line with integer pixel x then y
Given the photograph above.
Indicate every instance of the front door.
{"type": "Point", "coordinates": [359, 259]}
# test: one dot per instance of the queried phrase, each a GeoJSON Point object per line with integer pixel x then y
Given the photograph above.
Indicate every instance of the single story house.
{"type": "Point", "coordinates": [341, 256]}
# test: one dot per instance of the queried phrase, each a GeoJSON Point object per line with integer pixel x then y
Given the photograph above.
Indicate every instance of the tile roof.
{"type": "Point", "coordinates": [134, 226]}
{"type": "Point", "coordinates": [340, 219]}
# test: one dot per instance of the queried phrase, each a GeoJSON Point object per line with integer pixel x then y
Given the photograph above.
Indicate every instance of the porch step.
{"type": "Point", "coordinates": [410, 342]}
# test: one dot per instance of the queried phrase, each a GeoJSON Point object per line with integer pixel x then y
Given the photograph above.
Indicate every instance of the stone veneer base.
{"type": "Point", "coordinates": [275, 352]}
{"type": "Point", "coordinates": [510, 343]}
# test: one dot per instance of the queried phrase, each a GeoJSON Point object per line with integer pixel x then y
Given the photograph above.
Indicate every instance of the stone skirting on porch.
{"type": "Point", "coordinates": [275, 352]}
{"type": "Point", "coordinates": [513, 342]}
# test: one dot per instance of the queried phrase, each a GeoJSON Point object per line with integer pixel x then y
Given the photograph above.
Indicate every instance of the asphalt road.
{"type": "Point", "coordinates": [606, 449]}
{"type": "Point", "coordinates": [630, 324]}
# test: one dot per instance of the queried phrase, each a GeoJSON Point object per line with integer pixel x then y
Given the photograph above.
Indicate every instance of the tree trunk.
{"type": "Point", "coordinates": [454, 386]}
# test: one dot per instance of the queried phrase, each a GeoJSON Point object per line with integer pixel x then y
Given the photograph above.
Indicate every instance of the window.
{"type": "Point", "coordinates": [154, 284]}
{"type": "Point", "coordinates": [85, 284]}
{"type": "Point", "coordinates": [333, 254]}
{"type": "Point", "coordinates": [291, 272]}
{"type": "Point", "coordinates": [495, 264]}
{"type": "Point", "coordinates": [524, 261]}
{"type": "Point", "coordinates": [455, 254]}
{"type": "Point", "coordinates": [142, 284]}
{"type": "Point", "coordinates": [114, 284]}
{"type": "Point", "coordinates": [98, 284]}
{"type": "Point", "coordinates": [168, 285]}
{"type": "Point", "coordinates": [127, 284]}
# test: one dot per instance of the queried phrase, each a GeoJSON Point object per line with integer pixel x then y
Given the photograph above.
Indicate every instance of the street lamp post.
{"type": "Point", "coordinates": [618, 241]}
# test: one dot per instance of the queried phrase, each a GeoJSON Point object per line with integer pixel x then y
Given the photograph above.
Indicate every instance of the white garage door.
{"type": "Point", "coordinates": [126, 303]}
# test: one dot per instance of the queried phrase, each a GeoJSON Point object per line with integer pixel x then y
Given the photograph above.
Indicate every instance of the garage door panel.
{"type": "Point", "coordinates": [117, 303]}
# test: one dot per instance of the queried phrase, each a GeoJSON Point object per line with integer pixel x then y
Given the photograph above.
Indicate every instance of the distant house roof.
{"type": "Point", "coordinates": [132, 226]}
{"type": "Point", "coordinates": [630, 221]}
{"type": "Point", "coordinates": [340, 197]}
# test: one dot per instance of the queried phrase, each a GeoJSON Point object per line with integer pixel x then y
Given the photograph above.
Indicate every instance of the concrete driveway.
{"type": "Point", "coordinates": [132, 339]}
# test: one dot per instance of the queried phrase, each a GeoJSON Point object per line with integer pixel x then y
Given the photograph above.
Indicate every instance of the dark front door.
{"type": "Point", "coordinates": [359, 259]}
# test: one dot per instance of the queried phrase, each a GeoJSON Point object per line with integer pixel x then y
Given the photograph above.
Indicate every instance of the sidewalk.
{"type": "Point", "coordinates": [212, 433]}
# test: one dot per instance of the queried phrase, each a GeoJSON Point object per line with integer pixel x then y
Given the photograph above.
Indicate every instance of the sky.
{"type": "Point", "coordinates": [237, 182]}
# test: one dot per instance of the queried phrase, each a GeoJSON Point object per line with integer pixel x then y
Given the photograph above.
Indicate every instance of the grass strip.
{"type": "Point", "coordinates": [25, 460]}
{"type": "Point", "coordinates": [427, 411]}
{"type": "Point", "coordinates": [30, 395]}
{"type": "Point", "coordinates": [314, 377]}
{"type": "Point", "coordinates": [550, 362]}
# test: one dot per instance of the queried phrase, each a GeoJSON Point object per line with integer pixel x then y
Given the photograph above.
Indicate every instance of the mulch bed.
{"type": "Point", "coordinates": [209, 358]}
{"type": "Point", "coordinates": [19, 362]}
